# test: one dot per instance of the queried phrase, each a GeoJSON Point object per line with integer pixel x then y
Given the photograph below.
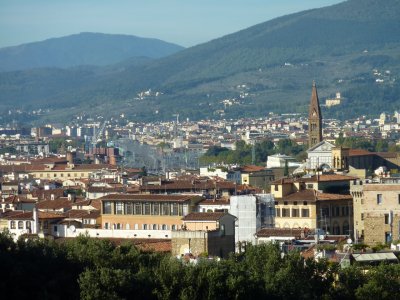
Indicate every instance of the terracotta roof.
{"type": "Point", "coordinates": [81, 213]}
{"type": "Point", "coordinates": [21, 215]}
{"type": "Point", "coordinates": [252, 168]}
{"type": "Point", "coordinates": [18, 199]}
{"type": "Point", "coordinates": [49, 215]}
{"type": "Point", "coordinates": [315, 178]}
{"type": "Point", "coordinates": [359, 152]}
{"type": "Point", "coordinates": [58, 203]}
{"type": "Point", "coordinates": [209, 216]}
{"type": "Point", "coordinates": [147, 197]}
{"type": "Point", "coordinates": [328, 177]}
{"type": "Point", "coordinates": [312, 195]}
{"type": "Point", "coordinates": [102, 189]}
{"type": "Point", "coordinates": [222, 201]}
{"type": "Point", "coordinates": [188, 185]}
{"type": "Point", "coordinates": [284, 232]}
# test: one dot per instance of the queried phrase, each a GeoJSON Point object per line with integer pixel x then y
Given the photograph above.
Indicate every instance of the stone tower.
{"type": "Point", "coordinates": [314, 119]}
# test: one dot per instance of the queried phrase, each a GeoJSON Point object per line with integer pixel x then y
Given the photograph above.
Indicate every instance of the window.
{"type": "Point", "coordinates": [276, 187]}
{"type": "Point", "coordinates": [119, 208]}
{"type": "Point", "coordinates": [310, 186]}
{"type": "Point", "coordinates": [305, 203]}
{"type": "Point", "coordinates": [165, 209]}
{"type": "Point", "coordinates": [276, 203]}
{"type": "Point", "coordinates": [138, 208]}
{"type": "Point", "coordinates": [285, 212]}
{"type": "Point", "coordinates": [325, 212]}
{"type": "Point", "coordinates": [379, 199]}
{"type": "Point", "coordinates": [285, 203]}
{"type": "Point", "coordinates": [362, 217]}
{"type": "Point", "coordinates": [278, 212]}
{"type": "Point", "coordinates": [164, 227]}
{"type": "Point", "coordinates": [398, 198]}
{"type": "Point", "coordinates": [20, 225]}
{"type": "Point", "coordinates": [305, 213]}
{"type": "Point", "coordinates": [156, 209]}
{"type": "Point", "coordinates": [154, 226]}
{"type": "Point", "coordinates": [173, 227]}
{"type": "Point", "coordinates": [295, 203]}
{"type": "Point", "coordinates": [12, 225]}
{"type": "Point", "coordinates": [55, 228]}
{"type": "Point", "coordinates": [144, 226]}
{"type": "Point", "coordinates": [129, 208]}
{"type": "Point", "coordinates": [295, 213]}
{"type": "Point", "coordinates": [146, 210]}
{"type": "Point", "coordinates": [46, 225]}
{"type": "Point", "coordinates": [106, 226]}
{"type": "Point", "coordinates": [174, 209]}
{"type": "Point", "coordinates": [107, 207]}
{"type": "Point", "coordinates": [386, 219]}
{"type": "Point", "coordinates": [28, 224]}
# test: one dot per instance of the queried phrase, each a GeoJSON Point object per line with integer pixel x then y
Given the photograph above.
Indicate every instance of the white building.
{"type": "Point", "coordinates": [279, 161]}
{"type": "Point", "coordinates": [253, 212]}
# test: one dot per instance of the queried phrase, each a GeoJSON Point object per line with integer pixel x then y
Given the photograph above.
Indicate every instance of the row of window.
{"type": "Point", "coordinates": [13, 225]}
{"type": "Point", "coordinates": [48, 175]}
{"type": "Point", "coordinates": [294, 203]}
{"type": "Point", "coordinates": [141, 227]}
{"type": "Point", "coordinates": [139, 208]}
{"type": "Point", "coordinates": [305, 212]}
{"type": "Point", "coordinates": [336, 211]}
{"type": "Point", "coordinates": [379, 199]}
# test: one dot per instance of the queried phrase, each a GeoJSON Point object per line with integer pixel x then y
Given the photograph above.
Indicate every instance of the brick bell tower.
{"type": "Point", "coordinates": [314, 119]}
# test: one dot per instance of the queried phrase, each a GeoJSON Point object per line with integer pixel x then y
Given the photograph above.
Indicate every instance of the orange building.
{"type": "Point", "coordinates": [146, 212]}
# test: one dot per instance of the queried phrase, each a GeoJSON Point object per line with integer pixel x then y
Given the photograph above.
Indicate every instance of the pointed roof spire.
{"type": "Point", "coordinates": [314, 104]}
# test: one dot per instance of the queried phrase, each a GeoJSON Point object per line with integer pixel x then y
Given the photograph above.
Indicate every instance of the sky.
{"type": "Point", "coordinates": [184, 22]}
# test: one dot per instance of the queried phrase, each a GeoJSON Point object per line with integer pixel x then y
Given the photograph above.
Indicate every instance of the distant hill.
{"type": "Point", "coordinates": [82, 49]}
{"type": "Point", "coordinates": [352, 47]}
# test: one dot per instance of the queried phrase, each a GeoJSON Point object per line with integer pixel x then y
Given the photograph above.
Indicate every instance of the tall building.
{"type": "Point", "coordinates": [314, 119]}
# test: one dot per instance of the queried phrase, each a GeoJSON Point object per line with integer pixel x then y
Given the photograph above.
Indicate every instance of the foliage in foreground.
{"type": "Point", "coordinates": [96, 269]}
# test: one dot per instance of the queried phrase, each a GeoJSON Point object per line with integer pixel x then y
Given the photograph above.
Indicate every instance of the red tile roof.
{"type": "Point", "coordinates": [58, 203]}
{"type": "Point", "coordinates": [20, 215]}
{"type": "Point", "coordinates": [282, 232]}
{"type": "Point", "coordinates": [312, 195]}
{"type": "Point", "coordinates": [147, 197]}
{"type": "Point", "coordinates": [81, 213]}
{"type": "Point", "coordinates": [209, 216]}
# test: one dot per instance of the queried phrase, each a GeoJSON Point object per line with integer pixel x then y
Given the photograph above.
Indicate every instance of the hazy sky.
{"type": "Point", "coordinates": [185, 22]}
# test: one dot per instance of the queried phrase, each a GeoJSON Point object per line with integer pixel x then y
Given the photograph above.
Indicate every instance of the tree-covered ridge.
{"type": "Point", "coordinates": [83, 49]}
{"type": "Point", "coordinates": [87, 268]}
{"type": "Point", "coordinates": [338, 46]}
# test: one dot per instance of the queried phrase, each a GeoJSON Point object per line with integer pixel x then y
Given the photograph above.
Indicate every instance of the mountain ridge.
{"type": "Point", "coordinates": [276, 61]}
{"type": "Point", "coordinates": [85, 48]}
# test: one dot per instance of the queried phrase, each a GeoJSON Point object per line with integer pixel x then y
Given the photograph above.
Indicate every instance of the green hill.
{"type": "Point", "coordinates": [352, 47]}
{"type": "Point", "coordinates": [86, 48]}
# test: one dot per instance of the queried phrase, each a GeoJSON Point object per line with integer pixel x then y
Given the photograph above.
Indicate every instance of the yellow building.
{"type": "Point", "coordinates": [305, 203]}
{"type": "Point", "coordinates": [377, 210]}
{"type": "Point", "coordinates": [145, 211]}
